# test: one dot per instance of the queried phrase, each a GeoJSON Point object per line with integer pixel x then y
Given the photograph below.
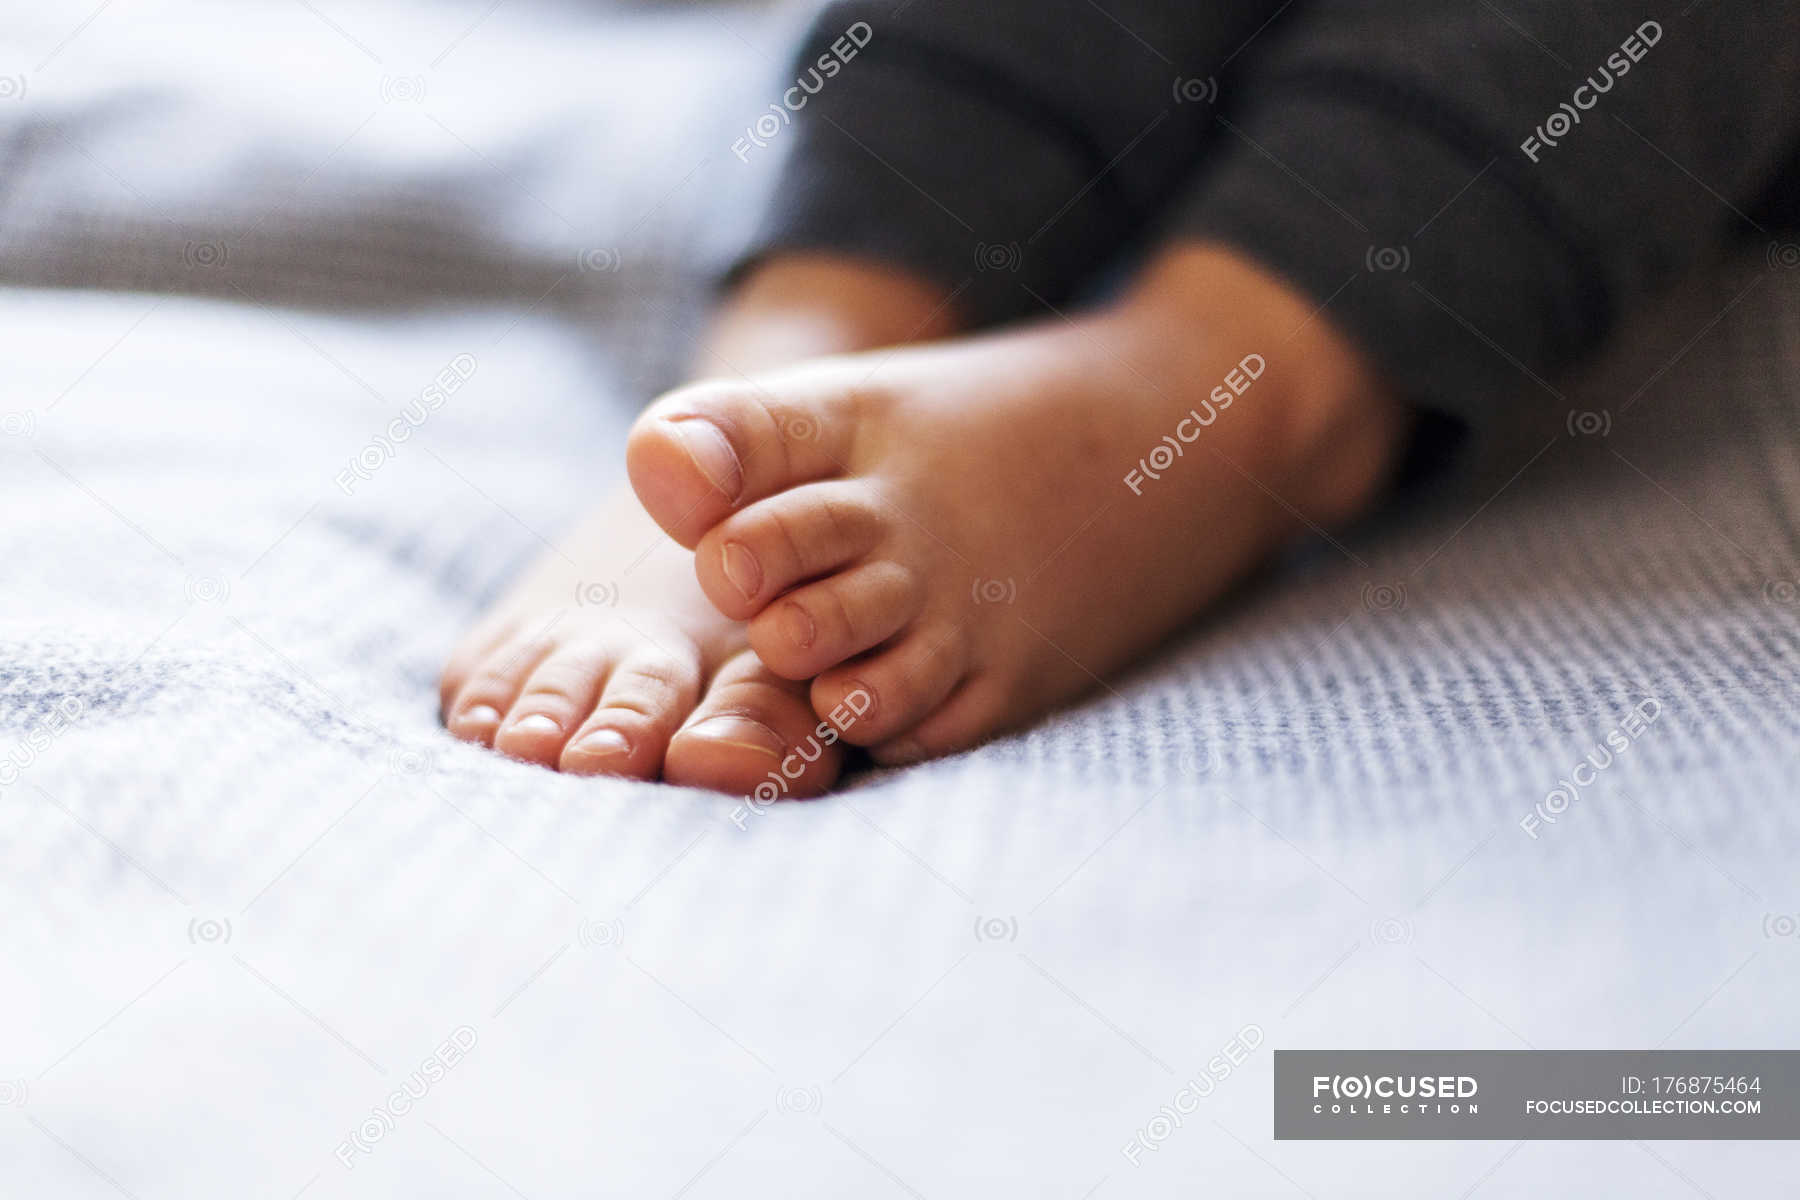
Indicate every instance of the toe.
{"type": "Point", "coordinates": [753, 734]}
{"type": "Point", "coordinates": [702, 451]}
{"type": "Point", "coordinates": [823, 623]}
{"type": "Point", "coordinates": [475, 649]}
{"type": "Point", "coordinates": [646, 698]}
{"type": "Point", "coordinates": [974, 711]}
{"type": "Point", "coordinates": [559, 693]}
{"type": "Point", "coordinates": [492, 684]}
{"type": "Point", "coordinates": [893, 690]}
{"type": "Point", "coordinates": [793, 536]}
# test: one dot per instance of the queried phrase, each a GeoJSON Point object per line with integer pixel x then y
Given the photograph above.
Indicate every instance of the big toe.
{"type": "Point", "coordinates": [754, 734]}
{"type": "Point", "coordinates": [702, 451]}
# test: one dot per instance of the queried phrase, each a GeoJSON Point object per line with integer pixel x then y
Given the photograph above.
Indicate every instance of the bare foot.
{"type": "Point", "coordinates": [971, 532]}
{"type": "Point", "coordinates": [611, 661]}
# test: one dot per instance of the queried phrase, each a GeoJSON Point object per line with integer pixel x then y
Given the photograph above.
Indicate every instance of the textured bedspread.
{"type": "Point", "coordinates": [251, 890]}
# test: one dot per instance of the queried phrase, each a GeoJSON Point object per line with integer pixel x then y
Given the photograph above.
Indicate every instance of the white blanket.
{"type": "Point", "coordinates": [251, 888]}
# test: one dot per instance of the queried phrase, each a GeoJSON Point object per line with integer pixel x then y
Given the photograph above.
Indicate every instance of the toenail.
{"type": "Point", "coordinates": [799, 625]}
{"type": "Point", "coordinates": [742, 569]}
{"type": "Point", "coordinates": [537, 723]}
{"type": "Point", "coordinates": [712, 453]}
{"type": "Point", "coordinates": [481, 714]}
{"type": "Point", "coordinates": [605, 741]}
{"type": "Point", "coordinates": [739, 731]}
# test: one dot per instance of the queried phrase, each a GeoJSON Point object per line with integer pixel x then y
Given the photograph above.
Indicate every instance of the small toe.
{"type": "Point", "coordinates": [646, 698]}
{"type": "Point", "coordinates": [474, 649]}
{"type": "Point", "coordinates": [702, 451]}
{"type": "Point", "coordinates": [488, 693]}
{"type": "Point", "coordinates": [820, 625]}
{"type": "Point", "coordinates": [974, 711]}
{"type": "Point", "coordinates": [760, 552]}
{"type": "Point", "coordinates": [894, 689]}
{"type": "Point", "coordinates": [753, 734]}
{"type": "Point", "coordinates": [553, 702]}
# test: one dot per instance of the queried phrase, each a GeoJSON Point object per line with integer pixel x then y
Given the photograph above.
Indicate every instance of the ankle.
{"type": "Point", "coordinates": [1331, 434]}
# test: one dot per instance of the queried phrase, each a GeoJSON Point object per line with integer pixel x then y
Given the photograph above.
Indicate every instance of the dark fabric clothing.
{"type": "Point", "coordinates": [1475, 193]}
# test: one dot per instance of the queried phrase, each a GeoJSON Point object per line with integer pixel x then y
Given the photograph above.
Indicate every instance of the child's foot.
{"type": "Point", "coordinates": [972, 532]}
{"type": "Point", "coordinates": [615, 663]}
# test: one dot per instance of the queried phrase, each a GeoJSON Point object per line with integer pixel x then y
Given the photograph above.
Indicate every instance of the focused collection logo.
{"type": "Point", "coordinates": [1395, 1095]}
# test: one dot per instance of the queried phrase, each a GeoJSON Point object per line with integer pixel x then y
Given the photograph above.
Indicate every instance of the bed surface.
{"type": "Point", "coordinates": [250, 886]}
